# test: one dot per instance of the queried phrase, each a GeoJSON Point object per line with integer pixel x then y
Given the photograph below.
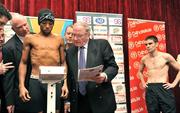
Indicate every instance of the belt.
{"type": "Point", "coordinates": [35, 77]}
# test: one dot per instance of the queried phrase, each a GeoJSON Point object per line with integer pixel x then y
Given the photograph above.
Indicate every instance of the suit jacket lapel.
{"type": "Point", "coordinates": [18, 52]}
{"type": "Point", "coordinates": [19, 45]}
{"type": "Point", "coordinates": [90, 53]}
{"type": "Point", "coordinates": [74, 61]}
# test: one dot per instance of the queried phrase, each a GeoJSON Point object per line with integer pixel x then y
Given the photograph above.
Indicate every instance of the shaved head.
{"type": "Point", "coordinates": [19, 24]}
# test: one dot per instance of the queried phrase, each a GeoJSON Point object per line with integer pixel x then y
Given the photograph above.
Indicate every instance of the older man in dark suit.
{"type": "Point", "coordinates": [97, 96]}
{"type": "Point", "coordinates": [12, 52]}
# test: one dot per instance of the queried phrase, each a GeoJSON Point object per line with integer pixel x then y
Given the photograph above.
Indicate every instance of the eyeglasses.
{"type": "Point", "coordinates": [78, 35]}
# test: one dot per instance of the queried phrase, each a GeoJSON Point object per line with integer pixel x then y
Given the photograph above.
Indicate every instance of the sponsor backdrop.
{"type": "Point", "coordinates": [59, 26]}
{"type": "Point", "coordinates": [109, 26]}
{"type": "Point", "coordinates": [137, 32]}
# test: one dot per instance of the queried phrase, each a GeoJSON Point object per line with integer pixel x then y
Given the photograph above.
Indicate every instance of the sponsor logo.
{"type": "Point", "coordinates": [99, 20]}
{"type": "Point", "coordinates": [115, 21]}
{"type": "Point", "coordinates": [139, 43]}
{"type": "Point", "coordinates": [162, 47]}
{"type": "Point", "coordinates": [86, 19]}
{"type": "Point", "coordinates": [131, 77]}
{"type": "Point", "coordinates": [133, 88]}
{"type": "Point", "coordinates": [121, 67]}
{"type": "Point", "coordinates": [117, 47]}
{"type": "Point", "coordinates": [116, 52]}
{"type": "Point", "coordinates": [161, 37]}
{"type": "Point", "coordinates": [118, 78]}
{"type": "Point", "coordinates": [138, 110]}
{"type": "Point", "coordinates": [135, 34]}
{"type": "Point", "coordinates": [131, 45]}
{"type": "Point", "coordinates": [136, 99]}
{"type": "Point", "coordinates": [136, 44]}
{"type": "Point", "coordinates": [121, 108]}
{"type": "Point", "coordinates": [158, 28]}
{"type": "Point", "coordinates": [133, 23]}
{"type": "Point", "coordinates": [100, 37]}
{"type": "Point", "coordinates": [133, 55]}
{"type": "Point", "coordinates": [142, 53]}
{"type": "Point", "coordinates": [116, 39]}
{"type": "Point", "coordinates": [115, 30]}
{"type": "Point", "coordinates": [119, 58]}
{"type": "Point", "coordinates": [138, 54]}
{"type": "Point", "coordinates": [136, 65]}
{"type": "Point", "coordinates": [100, 30]}
{"type": "Point", "coordinates": [120, 98]}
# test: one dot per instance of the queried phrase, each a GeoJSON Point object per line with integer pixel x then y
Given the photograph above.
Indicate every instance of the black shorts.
{"type": "Point", "coordinates": [38, 94]}
{"type": "Point", "coordinates": [160, 99]}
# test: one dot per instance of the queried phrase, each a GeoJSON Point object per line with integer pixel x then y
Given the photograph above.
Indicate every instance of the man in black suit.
{"type": "Point", "coordinates": [5, 16]}
{"type": "Point", "coordinates": [3, 69]}
{"type": "Point", "coordinates": [98, 96]}
{"type": "Point", "coordinates": [12, 51]}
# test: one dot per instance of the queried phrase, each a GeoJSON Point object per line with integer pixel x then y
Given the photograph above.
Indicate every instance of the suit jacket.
{"type": "Point", "coordinates": [12, 52]}
{"type": "Point", "coordinates": [100, 96]}
{"type": "Point", "coordinates": [1, 88]}
{"type": "Point", "coordinates": [2, 97]}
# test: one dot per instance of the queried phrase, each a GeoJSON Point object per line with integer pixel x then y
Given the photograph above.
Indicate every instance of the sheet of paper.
{"type": "Point", "coordinates": [88, 74]}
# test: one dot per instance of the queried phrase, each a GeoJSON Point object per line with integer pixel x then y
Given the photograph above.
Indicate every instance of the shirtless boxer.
{"type": "Point", "coordinates": [46, 49]}
{"type": "Point", "coordinates": [159, 94]}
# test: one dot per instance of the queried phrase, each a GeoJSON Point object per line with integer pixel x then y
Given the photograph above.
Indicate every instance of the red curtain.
{"type": "Point", "coordinates": [160, 10]}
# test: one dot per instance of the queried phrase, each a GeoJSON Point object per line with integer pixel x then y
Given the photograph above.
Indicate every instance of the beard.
{"type": "Point", "coordinates": [46, 33]}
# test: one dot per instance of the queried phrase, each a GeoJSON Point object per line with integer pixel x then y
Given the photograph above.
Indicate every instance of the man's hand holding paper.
{"type": "Point", "coordinates": [91, 74]}
{"type": "Point", "coordinates": [102, 77]}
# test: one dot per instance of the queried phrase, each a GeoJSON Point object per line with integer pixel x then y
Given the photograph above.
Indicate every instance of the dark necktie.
{"type": "Point", "coordinates": [82, 64]}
